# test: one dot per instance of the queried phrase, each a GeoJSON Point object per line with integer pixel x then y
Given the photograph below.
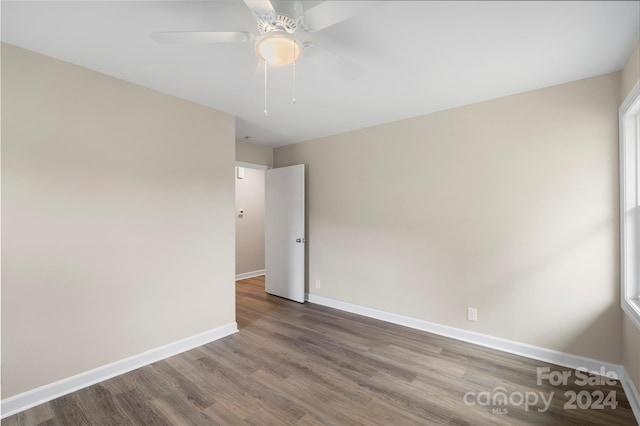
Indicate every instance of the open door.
{"type": "Point", "coordinates": [284, 232]}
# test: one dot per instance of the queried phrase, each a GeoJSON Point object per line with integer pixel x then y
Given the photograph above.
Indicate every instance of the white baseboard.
{"type": "Point", "coordinates": [252, 274]}
{"type": "Point", "coordinates": [632, 393]}
{"type": "Point", "coordinates": [535, 352]}
{"type": "Point", "coordinates": [42, 394]}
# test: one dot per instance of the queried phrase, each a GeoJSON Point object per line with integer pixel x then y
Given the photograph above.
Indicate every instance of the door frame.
{"type": "Point", "coordinates": [306, 219]}
{"type": "Point", "coordinates": [252, 165]}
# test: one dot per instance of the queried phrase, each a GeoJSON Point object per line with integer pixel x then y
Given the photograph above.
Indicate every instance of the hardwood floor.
{"type": "Point", "coordinates": [307, 364]}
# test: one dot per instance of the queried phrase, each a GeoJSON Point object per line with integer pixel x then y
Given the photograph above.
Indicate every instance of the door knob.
{"type": "Point", "coordinates": [299, 240]}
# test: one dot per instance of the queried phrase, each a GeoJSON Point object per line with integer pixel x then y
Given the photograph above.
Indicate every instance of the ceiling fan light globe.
{"type": "Point", "coordinates": [278, 49]}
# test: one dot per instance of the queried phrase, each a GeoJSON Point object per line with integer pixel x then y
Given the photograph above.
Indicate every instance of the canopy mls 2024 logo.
{"type": "Point", "coordinates": [499, 399]}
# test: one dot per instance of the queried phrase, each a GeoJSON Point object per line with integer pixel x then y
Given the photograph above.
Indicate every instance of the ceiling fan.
{"type": "Point", "coordinates": [284, 33]}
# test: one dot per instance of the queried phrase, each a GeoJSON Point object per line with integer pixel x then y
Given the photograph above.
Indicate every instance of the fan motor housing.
{"type": "Point", "coordinates": [281, 23]}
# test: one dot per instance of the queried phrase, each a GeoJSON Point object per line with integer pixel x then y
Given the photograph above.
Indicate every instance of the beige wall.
{"type": "Point", "coordinates": [250, 225]}
{"type": "Point", "coordinates": [117, 220]}
{"type": "Point", "coordinates": [509, 206]}
{"type": "Point", "coordinates": [253, 153]}
{"type": "Point", "coordinates": [631, 334]}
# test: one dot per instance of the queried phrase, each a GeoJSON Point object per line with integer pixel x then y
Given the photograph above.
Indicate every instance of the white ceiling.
{"type": "Point", "coordinates": [419, 56]}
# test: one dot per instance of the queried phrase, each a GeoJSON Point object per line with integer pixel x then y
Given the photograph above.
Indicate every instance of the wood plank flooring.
{"type": "Point", "coordinates": [311, 365]}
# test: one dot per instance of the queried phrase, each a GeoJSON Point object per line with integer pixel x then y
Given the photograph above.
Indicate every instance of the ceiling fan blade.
{"type": "Point", "coordinates": [331, 12]}
{"type": "Point", "coordinates": [326, 59]}
{"type": "Point", "coordinates": [291, 8]}
{"type": "Point", "coordinates": [262, 9]}
{"type": "Point", "coordinates": [201, 36]}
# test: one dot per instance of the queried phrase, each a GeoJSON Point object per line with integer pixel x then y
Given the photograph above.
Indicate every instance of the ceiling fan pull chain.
{"type": "Point", "coordinates": [265, 88]}
{"type": "Point", "coordinates": [294, 76]}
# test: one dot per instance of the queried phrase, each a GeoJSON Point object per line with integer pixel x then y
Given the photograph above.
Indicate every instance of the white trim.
{"type": "Point", "coordinates": [252, 274]}
{"type": "Point", "coordinates": [517, 348]}
{"type": "Point", "coordinates": [510, 346]}
{"type": "Point", "coordinates": [631, 97]}
{"type": "Point", "coordinates": [42, 394]}
{"type": "Point", "coordinates": [632, 393]}
{"type": "Point", "coordinates": [252, 165]}
{"type": "Point", "coordinates": [629, 212]}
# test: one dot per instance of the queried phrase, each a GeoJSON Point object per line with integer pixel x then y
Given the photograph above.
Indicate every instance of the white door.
{"type": "Point", "coordinates": [284, 232]}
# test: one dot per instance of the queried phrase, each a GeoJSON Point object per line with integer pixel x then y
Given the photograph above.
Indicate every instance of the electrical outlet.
{"type": "Point", "coordinates": [472, 314]}
{"type": "Point", "coordinates": [317, 283]}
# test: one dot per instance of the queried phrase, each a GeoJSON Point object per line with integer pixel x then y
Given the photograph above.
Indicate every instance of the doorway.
{"type": "Point", "coordinates": [250, 220]}
{"type": "Point", "coordinates": [270, 227]}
